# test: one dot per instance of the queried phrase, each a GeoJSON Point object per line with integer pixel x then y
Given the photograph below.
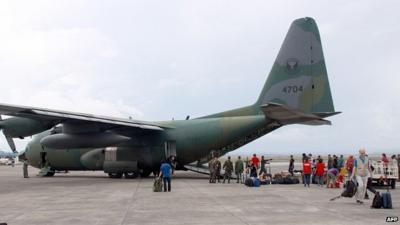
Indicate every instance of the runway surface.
{"type": "Point", "coordinates": [93, 198]}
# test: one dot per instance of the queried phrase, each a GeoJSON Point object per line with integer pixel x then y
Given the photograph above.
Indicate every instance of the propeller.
{"type": "Point", "coordinates": [9, 139]}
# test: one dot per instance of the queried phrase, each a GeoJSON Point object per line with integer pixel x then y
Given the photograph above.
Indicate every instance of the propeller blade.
{"type": "Point", "coordinates": [11, 143]}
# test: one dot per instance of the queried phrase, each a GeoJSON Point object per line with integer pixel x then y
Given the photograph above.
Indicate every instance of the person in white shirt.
{"type": "Point", "coordinates": [360, 172]}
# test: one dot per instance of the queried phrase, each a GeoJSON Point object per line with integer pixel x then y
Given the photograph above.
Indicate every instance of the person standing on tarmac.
{"type": "Point", "coordinates": [212, 171]}
{"type": "Point", "coordinates": [263, 162]}
{"type": "Point", "coordinates": [228, 167]}
{"type": "Point", "coordinates": [247, 168]}
{"type": "Point", "coordinates": [398, 164]}
{"type": "Point", "coordinates": [369, 181]}
{"type": "Point", "coordinates": [319, 172]}
{"type": "Point", "coordinates": [340, 162]}
{"type": "Point", "coordinates": [330, 161]}
{"type": "Point", "coordinates": [239, 170]}
{"type": "Point", "coordinates": [217, 169]}
{"type": "Point", "coordinates": [291, 165]}
{"type": "Point", "coordinates": [25, 169]}
{"type": "Point", "coordinates": [306, 172]}
{"type": "Point", "coordinates": [165, 174]}
{"type": "Point", "coordinates": [360, 172]}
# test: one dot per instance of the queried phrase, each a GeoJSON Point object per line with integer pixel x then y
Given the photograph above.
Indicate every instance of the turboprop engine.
{"type": "Point", "coordinates": [85, 140]}
{"type": "Point", "coordinates": [22, 127]}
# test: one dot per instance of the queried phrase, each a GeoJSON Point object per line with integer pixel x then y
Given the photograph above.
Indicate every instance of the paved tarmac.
{"type": "Point", "coordinates": [93, 198]}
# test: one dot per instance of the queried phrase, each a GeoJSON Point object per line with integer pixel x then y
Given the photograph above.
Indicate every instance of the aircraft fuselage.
{"type": "Point", "coordinates": [194, 140]}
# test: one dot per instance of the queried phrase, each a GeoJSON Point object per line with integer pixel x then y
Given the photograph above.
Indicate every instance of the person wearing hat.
{"type": "Point", "coordinates": [360, 172]}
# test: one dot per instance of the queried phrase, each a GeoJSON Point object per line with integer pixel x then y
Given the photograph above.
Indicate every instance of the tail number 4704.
{"type": "Point", "coordinates": [292, 89]}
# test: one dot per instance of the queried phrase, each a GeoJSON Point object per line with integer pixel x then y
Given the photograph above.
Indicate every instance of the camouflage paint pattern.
{"type": "Point", "coordinates": [298, 79]}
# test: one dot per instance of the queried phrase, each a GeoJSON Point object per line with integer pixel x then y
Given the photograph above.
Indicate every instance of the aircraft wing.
{"type": "Point", "coordinates": [59, 116]}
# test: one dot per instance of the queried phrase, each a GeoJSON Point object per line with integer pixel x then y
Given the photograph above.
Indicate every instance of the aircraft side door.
{"type": "Point", "coordinates": [170, 149]}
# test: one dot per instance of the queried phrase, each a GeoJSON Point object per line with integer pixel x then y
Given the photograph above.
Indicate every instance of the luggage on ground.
{"type": "Point", "coordinates": [291, 180]}
{"type": "Point", "coordinates": [277, 181]}
{"type": "Point", "coordinates": [386, 200]}
{"type": "Point", "coordinates": [157, 186]}
{"type": "Point", "coordinates": [377, 201]}
{"type": "Point", "coordinates": [350, 190]}
{"type": "Point", "coordinates": [248, 182]}
{"type": "Point", "coordinates": [256, 182]}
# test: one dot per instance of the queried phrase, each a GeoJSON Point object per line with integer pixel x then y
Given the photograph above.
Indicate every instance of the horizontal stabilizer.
{"type": "Point", "coordinates": [286, 115]}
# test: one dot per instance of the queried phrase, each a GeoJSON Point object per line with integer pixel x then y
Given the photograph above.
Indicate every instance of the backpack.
{"type": "Point", "coordinates": [386, 200]}
{"type": "Point", "coordinates": [350, 190]}
{"type": "Point", "coordinates": [157, 186]}
{"type": "Point", "coordinates": [377, 201]}
{"type": "Point", "coordinates": [248, 182]}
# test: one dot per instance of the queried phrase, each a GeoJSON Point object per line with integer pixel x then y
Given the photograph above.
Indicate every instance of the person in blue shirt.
{"type": "Point", "coordinates": [166, 175]}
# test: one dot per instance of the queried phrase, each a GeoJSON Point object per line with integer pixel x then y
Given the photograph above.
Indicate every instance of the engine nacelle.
{"type": "Point", "coordinates": [88, 140]}
{"type": "Point", "coordinates": [23, 127]}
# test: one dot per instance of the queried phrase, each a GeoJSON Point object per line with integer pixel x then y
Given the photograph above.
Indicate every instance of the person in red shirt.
{"type": "Point", "coordinates": [306, 172]}
{"type": "Point", "coordinates": [350, 165]}
{"type": "Point", "coordinates": [319, 172]}
{"type": "Point", "coordinates": [255, 161]}
{"type": "Point", "coordinates": [385, 160]}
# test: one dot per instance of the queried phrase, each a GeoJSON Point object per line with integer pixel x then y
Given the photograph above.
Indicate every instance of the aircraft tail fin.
{"type": "Point", "coordinates": [298, 84]}
{"type": "Point", "coordinates": [298, 79]}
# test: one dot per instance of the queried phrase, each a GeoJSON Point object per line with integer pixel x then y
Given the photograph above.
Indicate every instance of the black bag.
{"type": "Point", "coordinates": [248, 182]}
{"type": "Point", "coordinates": [386, 200]}
{"type": "Point", "coordinates": [290, 180]}
{"type": "Point", "coordinates": [277, 181]}
{"type": "Point", "coordinates": [350, 190]}
{"type": "Point", "coordinates": [377, 201]}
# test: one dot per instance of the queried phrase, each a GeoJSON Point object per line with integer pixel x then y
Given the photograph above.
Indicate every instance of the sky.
{"type": "Point", "coordinates": [158, 60]}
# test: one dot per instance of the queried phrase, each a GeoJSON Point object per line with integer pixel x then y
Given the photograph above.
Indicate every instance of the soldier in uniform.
{"type": "Point", "coordinates": [263, 163]}
{"type": "Point", "coordinates": [228, 167]}
{"type": "Point", "coordinates": [25, 169]}
{"type": "Point", "coordinates": [239, 170]}
{"type": "Point", "coordinates": [217, 169]}
{"type": "Point", "coordinates": [212, 171]}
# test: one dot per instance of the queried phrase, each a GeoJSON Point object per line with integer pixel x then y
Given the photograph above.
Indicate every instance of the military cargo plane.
{"type": "Point", "coordinates": [296, 91]}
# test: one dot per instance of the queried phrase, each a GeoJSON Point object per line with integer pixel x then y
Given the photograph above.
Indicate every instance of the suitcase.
{"type": "Point", "coordinates": [386, 197]}
{"type": "Point", "coordinates": [386, 200]}
{"type": "Point", "coordinates": [248, 182]}
{"type": "Point", "coordinates": [157, 186]}
{"type": "Point", "coordinates": [377, 201]}
{"type": "Point", "coordinates": [256, 182]}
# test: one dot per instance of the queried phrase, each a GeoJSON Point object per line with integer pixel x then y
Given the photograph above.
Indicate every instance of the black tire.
{"type": "Point", "coordinates": [393, 184]}
{"type": "Point", "coordinates": [50, 174]}
{"type": "Point", "coordinates": [115, 175]}
{"type": "Point", "coordinates": [130, 175]}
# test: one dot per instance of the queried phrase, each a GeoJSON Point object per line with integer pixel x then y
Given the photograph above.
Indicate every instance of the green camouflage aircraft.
{"type": "Point", "coordinates": [296, 92]}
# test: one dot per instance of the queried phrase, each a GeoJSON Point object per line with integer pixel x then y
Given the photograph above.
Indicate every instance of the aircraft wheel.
{"type": "Point", "coordinates": [115, 175]}
{"type": "Point", "coordinates": [50, 174]}
{"type": "Point", "coordinates": [130, 175]}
